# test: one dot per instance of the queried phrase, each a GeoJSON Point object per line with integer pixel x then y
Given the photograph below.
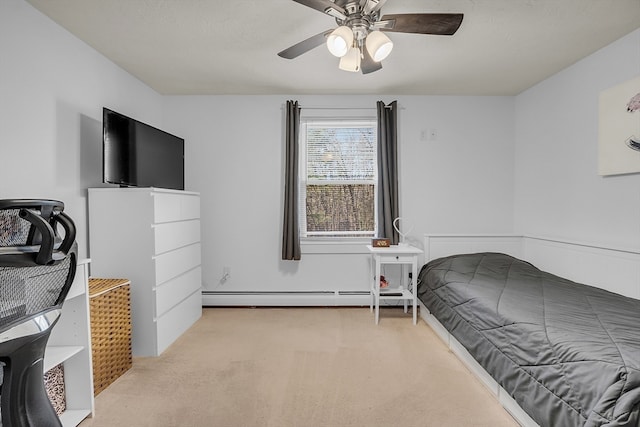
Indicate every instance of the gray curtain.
{"type": "Point", "coordinates": [290, 229]}
{"type": "Point", "coordinates": [388, 206]}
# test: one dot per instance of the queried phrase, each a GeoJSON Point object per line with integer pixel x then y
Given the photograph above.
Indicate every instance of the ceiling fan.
{"type": "Point", "coordinates": [359, 40]}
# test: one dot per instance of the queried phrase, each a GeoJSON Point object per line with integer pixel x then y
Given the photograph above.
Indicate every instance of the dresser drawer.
{"type": "Point", "coordinates": [171, 293]}
{"type": "Point", "coordinates": [397, 259]}
{"type": "Point", "coordinates": [175, 207]}
{"type": "Point", "coordinates": [177, 320]}
{"type": "Point", "coordinates": [173, 235]}
{"type": "Point", "coordinates": [172, 264]}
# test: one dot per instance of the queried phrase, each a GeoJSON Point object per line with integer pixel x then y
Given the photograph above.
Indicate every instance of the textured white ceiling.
{"type": "Point", "coordinates": [200, 47]}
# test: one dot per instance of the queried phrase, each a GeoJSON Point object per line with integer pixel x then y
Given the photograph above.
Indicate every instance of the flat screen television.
{"type": "Point", "coordinates": [135, 154]}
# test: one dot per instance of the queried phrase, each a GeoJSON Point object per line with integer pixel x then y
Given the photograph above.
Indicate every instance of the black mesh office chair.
{"type": "Point", "coordinates": [37, 267]}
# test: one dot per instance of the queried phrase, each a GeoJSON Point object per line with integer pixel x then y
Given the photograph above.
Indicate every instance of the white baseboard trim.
{"type": "Point", "coordinates": [286, 299]}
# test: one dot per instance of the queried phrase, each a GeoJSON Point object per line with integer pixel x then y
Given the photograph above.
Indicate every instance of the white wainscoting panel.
{"type": "Point", "coordinates": [616, 270]}
{"type": "Point", "coordinates": [441, 245]}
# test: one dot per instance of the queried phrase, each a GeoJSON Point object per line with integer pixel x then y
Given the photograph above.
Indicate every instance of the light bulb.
{"type": "Point", "coordinates": [339, 41]}
{"type": "Point", "coordinates": [378, 45]}
{"type": "Point", "coordinates": [351, 61]}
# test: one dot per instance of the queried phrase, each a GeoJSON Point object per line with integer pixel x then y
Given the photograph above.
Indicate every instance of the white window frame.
{"type": "Point", "coordinates": [303, 181]}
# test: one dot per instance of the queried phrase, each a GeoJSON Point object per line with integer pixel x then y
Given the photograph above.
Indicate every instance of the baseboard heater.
{"type": "Point", "coordinates": [285, 298]}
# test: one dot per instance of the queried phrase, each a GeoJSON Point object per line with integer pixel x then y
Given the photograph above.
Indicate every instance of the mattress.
{"type": "Point", "coordinates": [568, 353]}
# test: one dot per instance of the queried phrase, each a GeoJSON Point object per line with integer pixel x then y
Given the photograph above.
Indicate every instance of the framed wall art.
{"type": "Point", "coordinates": [619, 129]}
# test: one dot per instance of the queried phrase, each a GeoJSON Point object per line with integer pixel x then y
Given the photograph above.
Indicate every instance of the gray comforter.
{"type": "Point", "coordinates": [569, 354]}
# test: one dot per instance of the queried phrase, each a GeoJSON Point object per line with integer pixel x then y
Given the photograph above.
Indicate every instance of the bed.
{"type": "Point", "coordinates": [567, 354]}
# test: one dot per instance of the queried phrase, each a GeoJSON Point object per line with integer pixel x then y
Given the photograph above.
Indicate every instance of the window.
{"type": "Point", "coordinates": [338, 178]}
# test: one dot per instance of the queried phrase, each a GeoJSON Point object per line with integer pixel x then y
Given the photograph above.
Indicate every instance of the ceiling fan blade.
{"type": "Point", "coordinates": [368, 65]}
{"type": "Point", "coordinates": [443, 24]}
{"type": "Point", "coordinates": [305, 45]}
{"type": "Point", "coordinates": [325, 6]}
{"type": "Point", "coordinates": [372, 6]}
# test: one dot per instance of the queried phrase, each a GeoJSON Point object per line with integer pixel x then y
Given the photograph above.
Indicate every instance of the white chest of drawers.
{"type": "Point", "coordinates": [151, 237]}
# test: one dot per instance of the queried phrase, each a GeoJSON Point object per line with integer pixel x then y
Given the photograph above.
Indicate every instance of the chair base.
{"type": "Point", "coordinates": [24, 401]}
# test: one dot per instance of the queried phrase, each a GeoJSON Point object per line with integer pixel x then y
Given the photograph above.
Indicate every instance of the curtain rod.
{"type": "Point", "coordinates": [337, 108]}
{"type": "Point", "coordinates": [342, 108]}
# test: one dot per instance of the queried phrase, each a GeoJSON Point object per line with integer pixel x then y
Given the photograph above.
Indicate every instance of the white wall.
{"type": "Point", "coordinates": [558, 191]}
{"type": "Point", "coordinates": [461, 182]}
{"type": "Point", "coordinates": [52, 90]}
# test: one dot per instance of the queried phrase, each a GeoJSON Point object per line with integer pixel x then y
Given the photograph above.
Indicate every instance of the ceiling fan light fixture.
{"type": "Point", "coordinates": [378, 45]}
{"type": "Point", "coordinates": [351, 61]}
{"type": "Point", "coordinates": [339, 41]}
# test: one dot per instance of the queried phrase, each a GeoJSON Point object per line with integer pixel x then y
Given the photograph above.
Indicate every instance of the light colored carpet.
{"type": "Point", "coordinates": [281, 367]}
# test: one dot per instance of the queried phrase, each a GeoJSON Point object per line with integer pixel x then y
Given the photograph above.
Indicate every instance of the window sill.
{"type": "Point", "coordinates": [334, 246]}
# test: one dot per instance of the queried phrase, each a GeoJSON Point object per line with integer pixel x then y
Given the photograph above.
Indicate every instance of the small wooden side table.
{"type": "Point", "coordinates": [395, 254]}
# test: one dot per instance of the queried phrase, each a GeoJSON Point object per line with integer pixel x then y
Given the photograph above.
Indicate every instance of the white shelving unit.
{"type": "Point", "coordinates": [151, 237]}
{"type": "Point", "coordinates": [70, 344]}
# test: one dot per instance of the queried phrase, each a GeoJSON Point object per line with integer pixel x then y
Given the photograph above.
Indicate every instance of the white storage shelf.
{"type": "Point", "coordinates": [395, 293]}
{"type": "Point", "coordinates": [70, 344]}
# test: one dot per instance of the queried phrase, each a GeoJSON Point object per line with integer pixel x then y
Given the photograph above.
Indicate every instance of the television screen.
{"type": "Point", "coordinates": [138, 155]}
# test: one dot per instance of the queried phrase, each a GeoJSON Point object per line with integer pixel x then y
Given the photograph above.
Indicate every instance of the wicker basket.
{"type": "Point", "coordinates": [110, 308]}
{"type": "Point", "coordinates": [54, 385]}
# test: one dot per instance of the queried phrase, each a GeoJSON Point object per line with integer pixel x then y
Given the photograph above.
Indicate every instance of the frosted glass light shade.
{"type": "Point", "coordinates": [351, 61]}
{"type": "Point", "coordinates": [339, 41]}
{"type": "Point", "coordinates": [378, 45]}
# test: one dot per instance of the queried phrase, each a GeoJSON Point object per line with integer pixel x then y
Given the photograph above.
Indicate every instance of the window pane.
{"type": "Point", "coordinates": [339, 210]}
{"type": "Point", "coordinates": [340, 153]}
{"type": "Point", "coordinates": [338, 177]}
